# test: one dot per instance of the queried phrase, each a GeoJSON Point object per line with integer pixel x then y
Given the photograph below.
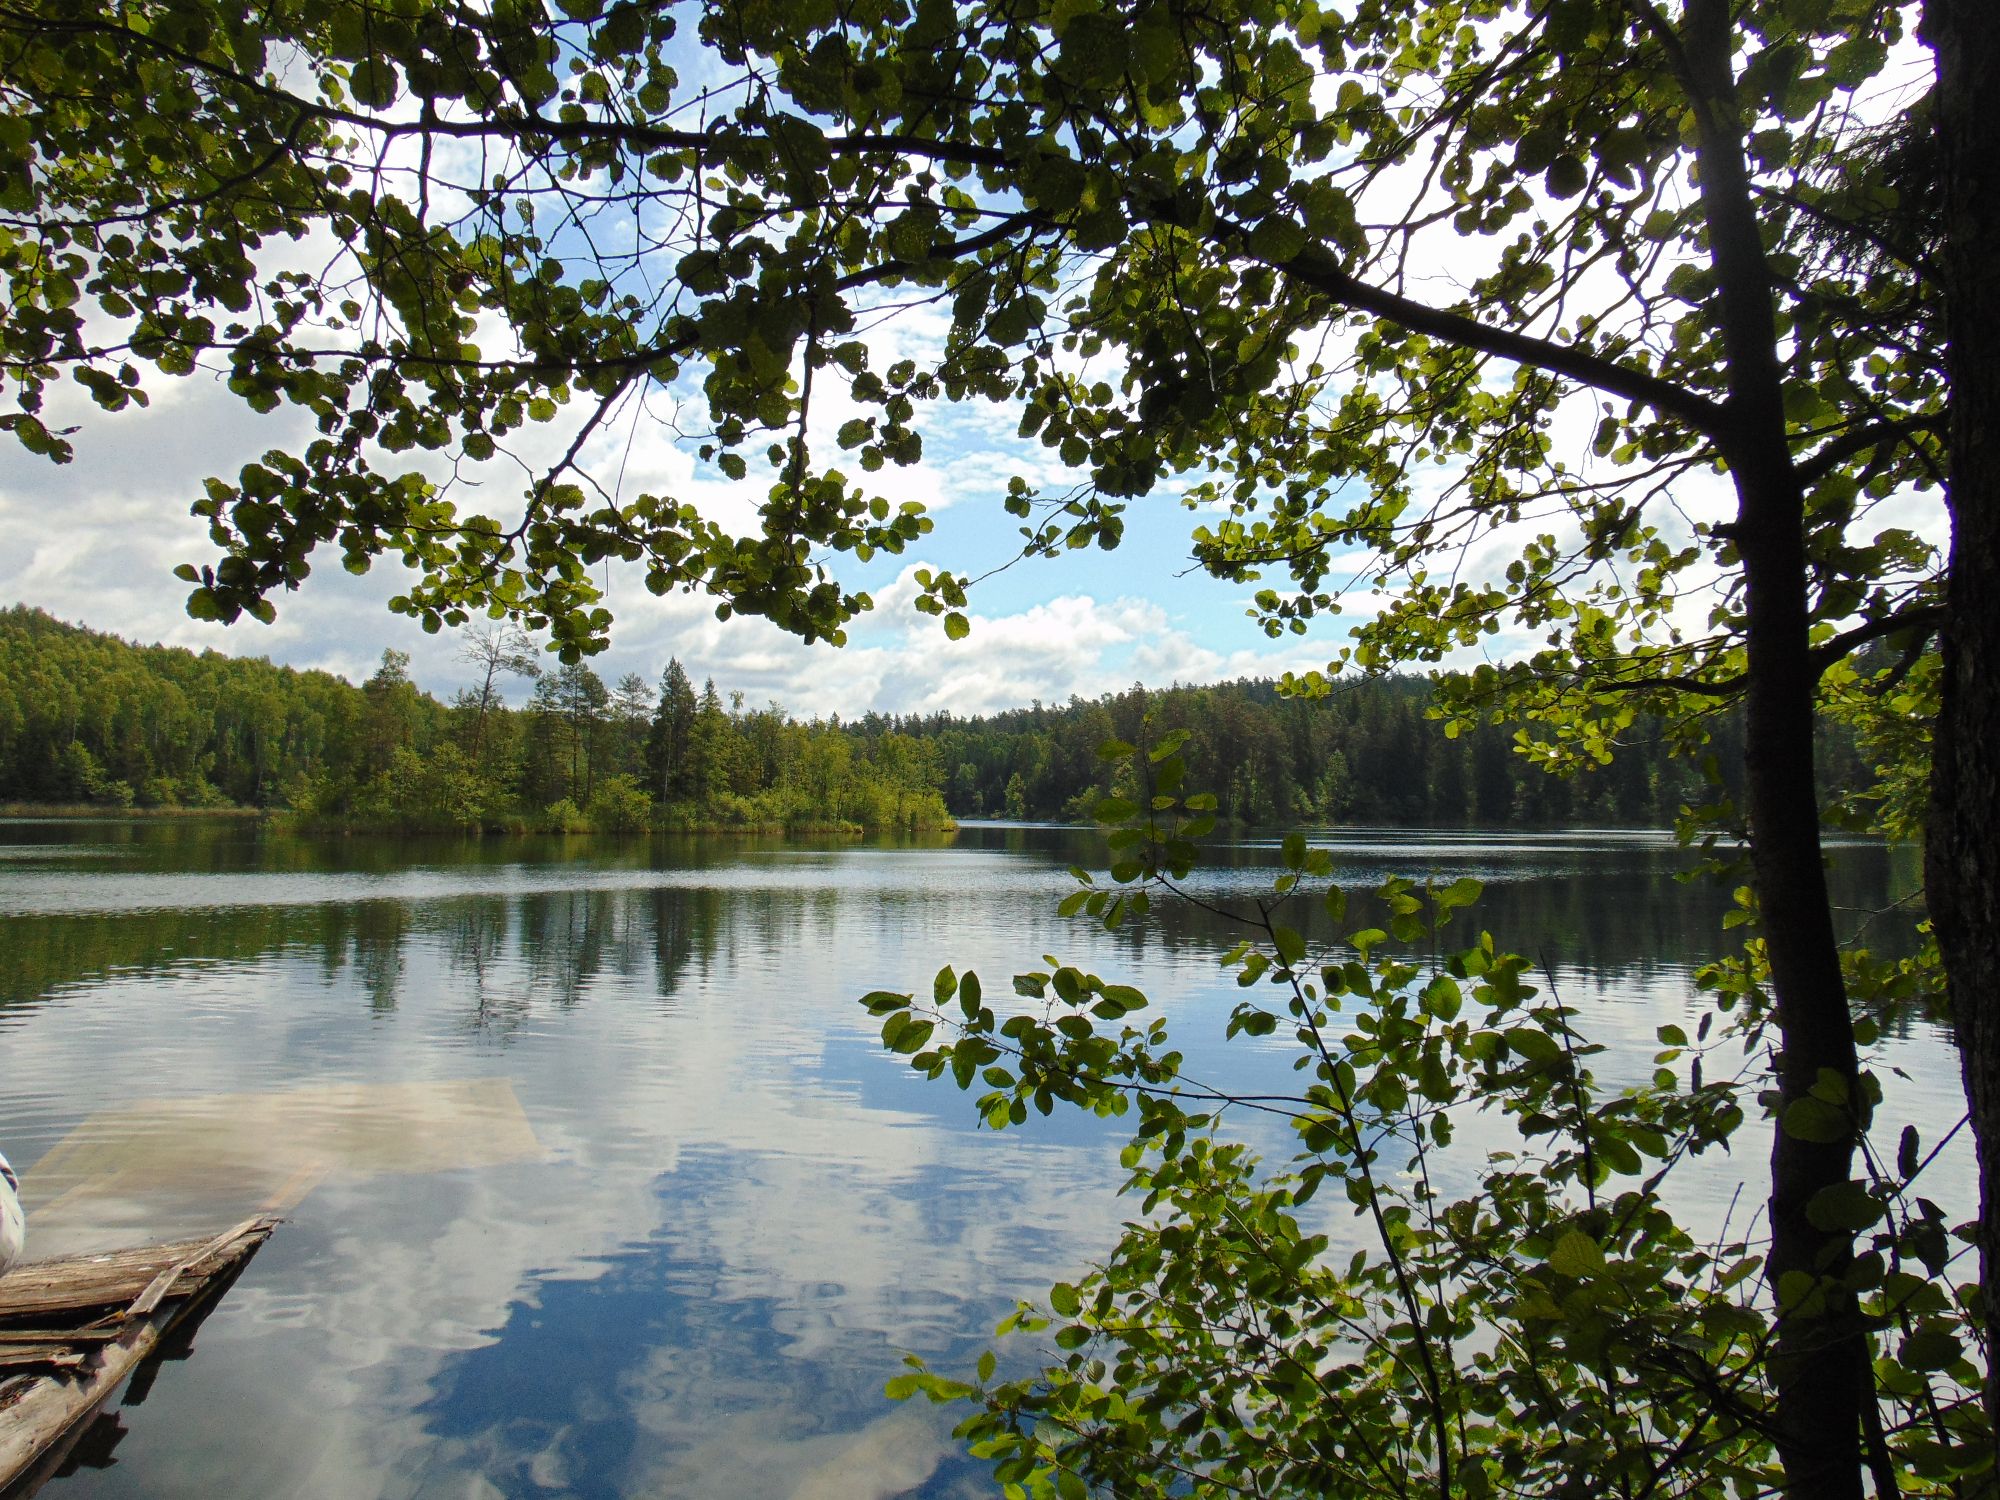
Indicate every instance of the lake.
{"type": "Point", "coordinates": [599, 1182]}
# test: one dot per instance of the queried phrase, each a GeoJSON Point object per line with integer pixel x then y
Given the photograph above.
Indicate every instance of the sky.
{"type": "Point", "coordinates": [95, 541]}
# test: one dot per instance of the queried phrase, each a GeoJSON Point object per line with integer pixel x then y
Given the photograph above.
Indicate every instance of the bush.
{"type": "Point", "coordinates": [620, 805]}
{"type": "Point", "coordinates": [159, 791]}
{"type": "Point", "coordinates": [564, 816]}
{"type": "Point", "coordinates": [1520, 1313]}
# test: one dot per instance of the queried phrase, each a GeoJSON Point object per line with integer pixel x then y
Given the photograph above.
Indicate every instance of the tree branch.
{"type": "Point", "coordinates": [1318, 268]}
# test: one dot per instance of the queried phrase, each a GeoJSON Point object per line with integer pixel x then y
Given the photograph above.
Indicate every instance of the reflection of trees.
{"type": "Point", "coordinates": [565, 938]}
{"type": "Point", "coordinates": [1614, 908]}
{"type": "Point", "coordinates": [42, 955]}
{"type": "Point", "coordinates": [686, 922]}
{"type": "Point", "coordinates": [506, 952]}
{"type": "Point", "coordinates": [475, 932]}
{"type": "Point", "coordinates": [381, 928]}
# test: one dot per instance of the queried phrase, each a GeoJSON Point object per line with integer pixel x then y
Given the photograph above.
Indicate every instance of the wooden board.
{"type": "Point", "coordinates": [49, 1291]}
{"type": "Point", "coordinates": [101, 1316]}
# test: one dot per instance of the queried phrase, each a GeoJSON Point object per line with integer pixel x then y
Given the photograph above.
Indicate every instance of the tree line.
{"type": "Point", "coordinates": [88, 718]}
{"type": "Point", "coordinates": [1373, 752]}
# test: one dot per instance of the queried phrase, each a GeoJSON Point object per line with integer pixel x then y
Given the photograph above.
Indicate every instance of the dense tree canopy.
{"type": "Point", "coordinates": [1369, 753]}
{"type": "Point", "coordinates": [1651, 299]}
{"type": "Point", "coordinates": [87, 718]}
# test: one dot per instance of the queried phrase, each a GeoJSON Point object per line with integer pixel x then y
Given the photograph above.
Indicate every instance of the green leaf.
{"type": "Point", "coordinates": [1124, 996]}
{"type": "Point", "coordinates": [1577, 1254]}
{"type": "Point", "coordinates": [1566, 177]}
{"type": "Point", "coordinates": [1810, 1119]}
{"type": "Point", "coordinates": [1845, 1207]}
{"type": "Point", "coordinates": [1461, 892]}
{"type": "Point", "coordinates": [1276, 240]}
{"type": "Point", "coordinates": [1442, 998]}
{"type": "Point", "coordinates": [1931, 1347]}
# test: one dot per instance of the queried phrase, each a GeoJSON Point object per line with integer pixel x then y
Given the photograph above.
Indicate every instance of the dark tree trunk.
{"type": "Point", "coordinates": [1962, 863]}
{"type": "Point", "coordinates": [1821, 1354]}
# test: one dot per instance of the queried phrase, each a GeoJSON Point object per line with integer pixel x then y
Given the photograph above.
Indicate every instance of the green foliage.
{"type": "Point", "coordinates": [563, 816]}
{"type": "Point", "coordinates": [1473, 1278]}
{"type": "Point", "coordinates": [1146, 221]}
{"type": "Point", "coordinates": [1378, 750]}
{"type": "Point", "coordinates": [87, 718]}
{"type": "Point", "coordinates": [620, 805]}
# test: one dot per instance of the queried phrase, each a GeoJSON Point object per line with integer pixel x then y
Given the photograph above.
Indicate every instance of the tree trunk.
{"type": "Point", "coordinates": [1962, 860]}
{"type": "Point", "coordinates": [1817, 1366]}
{"type": "Point", "coordinates": [1821, 1356]}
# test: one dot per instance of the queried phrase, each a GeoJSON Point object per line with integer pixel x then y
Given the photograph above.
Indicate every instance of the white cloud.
{"type": "Point", "coordinates": [99, 539]}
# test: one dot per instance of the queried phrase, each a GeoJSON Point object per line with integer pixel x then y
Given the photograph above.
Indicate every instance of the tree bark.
{"type": "Point", "coordinates": [1820, 1356]}
{"type": "Point", "coordinates": [1962, 855]}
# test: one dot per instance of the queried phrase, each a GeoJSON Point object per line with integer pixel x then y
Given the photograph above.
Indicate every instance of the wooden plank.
{"type": "Point", "coordinates": [10, 1337]}
{"type": "Point", "coordinates": [42, 1415]}
{"type": "Point", "coordinates": [47, 1357]}
{"type": "Point", "coordinates": [52, 1408]}
{"type": "Point", "coordinates": [113, 1279]}
{"type": "Point", "coordinates": [157, 1289]}
{"type": "Point", "coordinates": [270, 1148]}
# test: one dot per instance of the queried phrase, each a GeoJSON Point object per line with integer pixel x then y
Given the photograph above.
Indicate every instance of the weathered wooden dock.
{"type": "Point", "coordinates": [73, 1330]}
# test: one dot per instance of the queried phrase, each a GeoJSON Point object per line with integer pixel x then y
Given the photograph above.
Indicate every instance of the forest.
{"type": "Point", "coordinates": [87, 718]}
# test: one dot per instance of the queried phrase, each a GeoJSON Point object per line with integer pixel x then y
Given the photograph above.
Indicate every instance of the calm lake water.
{"type": "Point", "coordinates": [599, 1182]}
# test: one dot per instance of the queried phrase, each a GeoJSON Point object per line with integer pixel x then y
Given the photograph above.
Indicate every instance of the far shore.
{"type": "Point", "coordinates": [110, 812]}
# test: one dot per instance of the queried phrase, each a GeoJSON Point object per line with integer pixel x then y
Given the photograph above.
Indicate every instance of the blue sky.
{"type": "Point", "coordinates": [95, 542]}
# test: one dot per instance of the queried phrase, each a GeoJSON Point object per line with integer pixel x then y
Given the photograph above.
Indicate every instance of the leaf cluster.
{"type": "Point", "coordinates": [1473, 1277]}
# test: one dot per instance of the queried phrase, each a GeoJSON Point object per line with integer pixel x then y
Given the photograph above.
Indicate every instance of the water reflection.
{"type": "Point", "coordinates": [738, 1212]}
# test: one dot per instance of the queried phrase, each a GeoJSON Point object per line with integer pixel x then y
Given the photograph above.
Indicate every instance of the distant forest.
{"type": "Point", "coordinates": [1365, 753]}
{"type": "Point", "coordinates": [87, 718]}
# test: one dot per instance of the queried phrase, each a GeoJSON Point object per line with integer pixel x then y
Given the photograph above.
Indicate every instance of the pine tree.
{"type": "Point", "coordinates": [672, 733]}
